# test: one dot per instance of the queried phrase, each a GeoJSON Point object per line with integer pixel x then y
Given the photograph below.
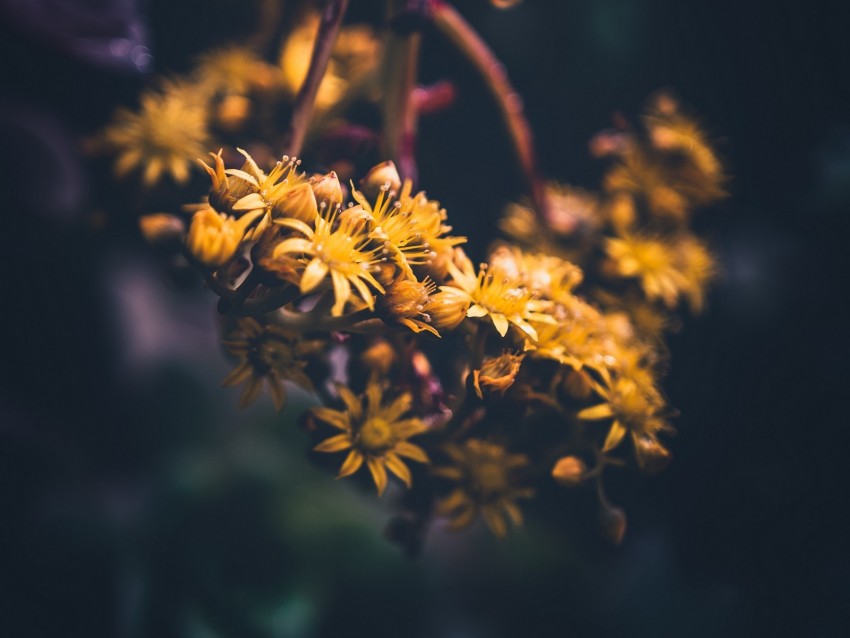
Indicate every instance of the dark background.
{"type": "Point", "coordinates": [135, 502]}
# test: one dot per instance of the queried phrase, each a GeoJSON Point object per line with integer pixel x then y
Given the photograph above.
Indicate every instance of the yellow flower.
{"type": "Point", "coordinates": [411, 229]}
{"type": "Point", "coordinates": [283, 192]}
{"type": "Point", "coordinates": [486, 484]}
{"type": "Point", "coordinates": [630, 410]}
{"type": "Point", "coordinates": [653, 261]}
{"type": "Point", "coordinates": [167, 133]}
{"type": "Point", "coordinates": [270, 353]}
{"type": "Point", "coordinates": [492, 293]}
{"type": "Point", "coordinates": [236, 70]}
{"type": "Point", "coordinates": [374, 432]}
{"type": "Point", "coordinates": [698, 268]}
{"type": "Point", "coordinates": [343, 254]}
{"type": "Point", "coordinates": [214, 238]}
{"type": "Point", "coordinates": [354, 57]}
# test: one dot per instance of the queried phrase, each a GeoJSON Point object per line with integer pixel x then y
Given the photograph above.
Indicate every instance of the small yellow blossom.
{"type": "Point", "coordinates": [214, 238]}
{"type": "Point", "coordinates": [267, 353]}
{"type": "Point", "coordinates": [491, 293]}
{"type": "Point", "coordinates": [236, 70]}
{"type": "Point", "coordinates": [342, 253]}
{"type": "Point", "coordinates": [630, 410]}
{"type": "Point", "coordinates": [653, 261]}
{"type": "Point", "coordinates": [486, 483]}
{"type": "Point", "coordinates": [167, 133]}
{"type": "Point", "coordinates": [374, 432]}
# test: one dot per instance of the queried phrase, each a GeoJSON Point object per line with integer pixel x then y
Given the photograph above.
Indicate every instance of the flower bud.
{"type": "Point", "coordinates": [577, 384]}
{"type": "Point", "coordinates": [569, 471]}
{"type": "Point", "coordinates": [297, 203]}
{"type": "Point", "coordinates": [497, 374]}
{"type": "Point", "coordinates": [162, 229]}
{"type": "Point", "coordinates": [383, 175]}
{"type": "Point", "coordinates": [406, 298]}
{"type": "Point", "coordinates": [448, 309]}
{"type": "Point", "coordinates": [379, 357]}
{"type": "Point", "coordinates": [232, 112]}
{"type": "Point", "coordinates": [612, 520]}
{"type": "Point", "coordinates": [327, 189]}
{"type": "Point", "coordinates": [215, 238]}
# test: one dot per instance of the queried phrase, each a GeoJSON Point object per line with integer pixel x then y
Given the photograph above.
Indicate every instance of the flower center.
{"type": "Point", "coordinates": [489, 477]}
{"type": "Point", "coordinates": [376, 435]}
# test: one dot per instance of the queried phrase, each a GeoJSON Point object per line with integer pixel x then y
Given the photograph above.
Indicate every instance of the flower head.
{"type": "Point", "coordinates": [339, 251]}
{"type": "Point", "coordinates": [485, 477]}
{"type": "Point", "coordinates": [166, 135]}
{"type": "Point", "coordinates": [629, 407]}
{"type": "Point", "coordinates": [267, 353]}
{"type": "Point", "coordinates": [494, 293]}
{"type": "Point", "coordinates": [374, 432]}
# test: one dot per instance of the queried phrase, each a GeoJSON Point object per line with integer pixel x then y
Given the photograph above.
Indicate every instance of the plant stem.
{"type": "Point", "coordinates": [401, 61]}
{"type": "Point", "coordinates": [454, 27]}
{"type": "Point", "coordinates": [305, 101]}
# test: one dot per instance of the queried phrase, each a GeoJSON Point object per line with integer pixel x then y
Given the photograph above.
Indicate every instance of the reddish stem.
{"type": "Point", "coordinates": [455, 27]}
{"type": "Point", "coordinates": [305, 101]}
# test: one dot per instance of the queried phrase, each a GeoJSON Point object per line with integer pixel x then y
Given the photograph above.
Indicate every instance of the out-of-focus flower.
{"type": "Point", "coordinates": [166, 135]}
{"type": "Point", "coordinates": [354, 57]}
{"type": "Point", "coordinates": [651, 260]}
{"type": "Point", "coordinates": [407, 301]}
{"type": "Point", "coordinates": [374, 432]}
{"type": "Point", "coordinates": [485, 475]}
{"type": "Point", "coordinates": [630, 411]}
{"type": "Point", "coordinates": [496, 374]}
{"type": "Point", "coordinates": [236, 70]}
{"type": "Point", "coordinates": [162, 229]}
{"type": "Point", "coordinates": [267, 353]}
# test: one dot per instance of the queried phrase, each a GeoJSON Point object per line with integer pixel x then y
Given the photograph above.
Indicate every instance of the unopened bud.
{"type": "Point", "coordinates": [383, 175]}
{"type": "Point", "coordinates": [232, 112]}
{"type": "Point", "coordinates": [327, 188]}
{"type": "Point", "coordinates": [162, 230]}
{"type": "Point", "coordinates": [612, 520]}
{"type": "Point", "coordinates": [297, 203]}
{"type": "Point", "coordinates": [497, 374]}
{"type": "Point", "coordinates": [379, 357]}
{"type": "Point", "coordinates": [569, 471]}
{"type": "Point", "coordinates": [577, 384]}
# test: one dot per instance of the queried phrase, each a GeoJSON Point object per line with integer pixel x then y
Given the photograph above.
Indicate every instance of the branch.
{"type": "Point", "coordinates": [305, 101]}
{"type": "Point", "coordinates": [454, 27]}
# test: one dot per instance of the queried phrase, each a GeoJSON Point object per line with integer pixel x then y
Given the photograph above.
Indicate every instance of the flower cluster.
{"type": "Point", "coordinates": [472, 385]}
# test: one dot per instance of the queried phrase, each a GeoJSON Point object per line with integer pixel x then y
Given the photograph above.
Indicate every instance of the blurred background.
{"type": "Point", "coordinates": [135, 500]}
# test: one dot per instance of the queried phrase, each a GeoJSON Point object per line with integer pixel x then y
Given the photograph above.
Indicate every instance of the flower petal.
{"type": "Point", "coordinates": [379, 474]}
{"type": "Point", "coordinates": [397, 467]}
{"type": "Point", "coordinates": [596, 412]}
{"type": "Point", "coordinates": [313, 275]}
{"type": "Point", "coordinates": [335, 443]}
{"type": "Point", "coordinates": [351, 464]}
{"type": "Point", "coordinates": [615, 435]}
